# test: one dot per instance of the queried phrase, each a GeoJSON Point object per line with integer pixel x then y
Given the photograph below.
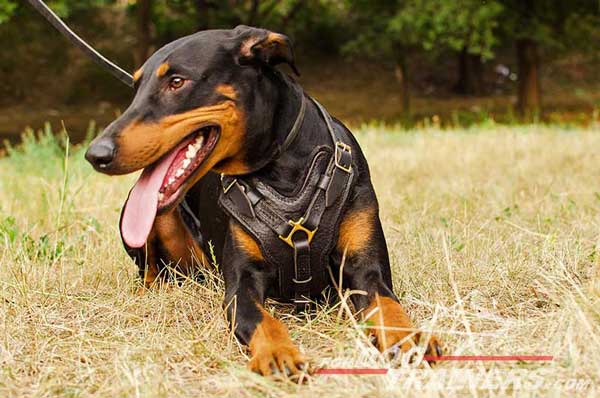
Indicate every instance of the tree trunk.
{"type": "Point", "coordinates": [470, 74]}
{"type": "Point", "coordinates": [253, 14]}
{"type": "Point", "coordinates": [287, 18]}
{"type": "Point", "coordinates": [529, 97]}
{"type": "Point", "coordinates": [144, 39]}
{"type": "Point", "coordinates": [202, 14]}
{"type": "Point", "coordinates": [478, 81]}
{"type": "Point", "coordinates": [403, 78]}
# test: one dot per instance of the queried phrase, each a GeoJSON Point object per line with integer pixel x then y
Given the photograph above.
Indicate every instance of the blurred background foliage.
{"type": "Point", "coordinates": [448, 61]}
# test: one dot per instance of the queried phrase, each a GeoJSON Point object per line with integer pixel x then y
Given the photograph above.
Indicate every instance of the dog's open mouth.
{"type": "Point", "coordinates": [162, 184]}
{"type": "Point", "coordinates": [190, 154]}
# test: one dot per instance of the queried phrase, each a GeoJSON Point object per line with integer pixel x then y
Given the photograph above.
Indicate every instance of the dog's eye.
{"type": "Point", "coordinates": [176, 83]}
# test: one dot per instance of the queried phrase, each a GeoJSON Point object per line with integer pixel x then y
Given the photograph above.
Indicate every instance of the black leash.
{"type": "Point", "coordinates": [98, 58]}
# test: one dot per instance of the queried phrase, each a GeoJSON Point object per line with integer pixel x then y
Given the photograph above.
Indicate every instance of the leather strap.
{"type": "Point", "coordinates": [342, 161]}
{"type": "Point", "coordinates": [302, 272]}
{"type": "Point", "coordinates": [293, 133]}
{"type": "Point", "coordinates": [325, 115]}
{"type": "Point", "coordinates": [339, 176]}
{"type": "Point", "coordinates": [241, 199]}
{"type": "Point", "coordinates": [334, 180]}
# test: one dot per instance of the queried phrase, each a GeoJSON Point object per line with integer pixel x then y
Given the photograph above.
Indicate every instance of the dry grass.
{"type": "Point", "coordinates": [494, 239]}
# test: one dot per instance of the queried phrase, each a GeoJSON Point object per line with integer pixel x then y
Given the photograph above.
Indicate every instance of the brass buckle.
{"type": "Point", "coordinates": [297, 226]}
{"type": "Point", "coordinates": [340, 146]}
{"type": "Point", "coordinates": [228, 187]}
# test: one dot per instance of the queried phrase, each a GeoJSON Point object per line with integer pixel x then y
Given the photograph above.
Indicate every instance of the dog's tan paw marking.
{"type": "Point", "coordinates": [393, 331]}
{"type": "Point", "coordinates": [273, 351]}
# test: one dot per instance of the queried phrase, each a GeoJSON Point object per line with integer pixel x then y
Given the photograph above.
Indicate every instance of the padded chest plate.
{"type": "Point", "coordinates": [271, 217]}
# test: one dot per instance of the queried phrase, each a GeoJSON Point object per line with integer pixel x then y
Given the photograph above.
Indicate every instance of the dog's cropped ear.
{"type": "Point", "coordinates": [261, 46]}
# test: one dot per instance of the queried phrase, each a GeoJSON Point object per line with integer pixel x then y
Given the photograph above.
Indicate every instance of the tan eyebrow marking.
{"type": "Point", "coordinates": [227, 90]}
{"type": "Point", "coordinates": [137, 74]}
{"type": "Point", "coordinates": [162, 69]}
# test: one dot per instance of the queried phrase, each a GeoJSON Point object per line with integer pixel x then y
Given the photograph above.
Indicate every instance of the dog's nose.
{"type": "Point", "coordinates": [101, 153]}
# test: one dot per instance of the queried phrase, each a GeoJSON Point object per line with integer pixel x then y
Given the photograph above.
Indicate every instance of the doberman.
{"type": "Point", "coordinates": [228, 144]}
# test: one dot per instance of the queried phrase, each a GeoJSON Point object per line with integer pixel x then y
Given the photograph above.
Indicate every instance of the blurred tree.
{"type": "Point", "coordinates": [61, 7]}
{"type": "Point", "coordinates": [143, 15]}
{"type": "Point", "coordinates": [551, 25]}
{"type": "Point", "coordinates": [384, 31]}
{"type": "Point", "coordinates": [171, 19]}
{"type": "Point", "coordinates": [202, 13]}
{"type": "Point", "coordinates": [397, 29]}
{"type": "Point", "coordinates": [40, 57]}
{"type": "Point", "coordinates": [213, 14]}
{"type": "Point", "coordinates": [7, 7]}
{"type": "Point", "coordinates": [469, 28]}
{"type": "Point", "coordinates": [65, 8]}
{"type": "Point", "coordinates": [398, 32]}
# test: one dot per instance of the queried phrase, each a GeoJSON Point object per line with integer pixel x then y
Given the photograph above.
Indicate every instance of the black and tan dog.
{"type": "Point", "coordinates": [234, 152]}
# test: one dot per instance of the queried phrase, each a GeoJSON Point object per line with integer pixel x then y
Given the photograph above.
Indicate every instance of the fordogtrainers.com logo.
{"type": "Point", "coordinates": [497, 374]}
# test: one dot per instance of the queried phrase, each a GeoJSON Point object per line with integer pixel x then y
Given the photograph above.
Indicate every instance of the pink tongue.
{"type": "Point", "coordinates": [140, 209]}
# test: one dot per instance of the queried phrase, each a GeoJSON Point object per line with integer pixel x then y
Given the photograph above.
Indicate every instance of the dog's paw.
{"type": "Point", "coordinates": [273, 351]}
{"type": "Point", "coordinates": [406, 345]}
{"type": "Point", "coordinates": [393, 332]}
{"type": "Point", "coordinates": [281, 359]}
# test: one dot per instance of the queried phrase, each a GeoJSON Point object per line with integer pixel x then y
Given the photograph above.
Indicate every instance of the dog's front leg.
{"type": "Point", "coordinates": [246, 282]}
{"type": "Point", "coordinates": [170, 243]}
{"type": "Point", "coordinates": [367, 268]}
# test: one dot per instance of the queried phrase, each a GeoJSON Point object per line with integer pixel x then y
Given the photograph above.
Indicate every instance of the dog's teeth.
{"type": "Point", "coordinates": [186, 163]}
{"type": "Point", "coordinates": [161, 196]}
{"type": "Point", "coordinates": [191, 152]}
{"type": "Point", "coordinates": [179, 173]}
{"type": "Point", "coordinates": [199, 142]}
{"type": "Point", "coordinates": [171, 180]}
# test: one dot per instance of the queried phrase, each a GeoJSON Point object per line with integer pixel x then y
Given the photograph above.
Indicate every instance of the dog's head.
{"type": "Point", "coordinates": [201, 103]}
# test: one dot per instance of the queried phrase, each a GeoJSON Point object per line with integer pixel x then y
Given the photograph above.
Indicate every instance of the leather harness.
{"type": "Point", "coordinates": [296, 233]}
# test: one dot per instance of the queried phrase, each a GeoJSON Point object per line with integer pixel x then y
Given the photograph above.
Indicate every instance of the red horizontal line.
{"type": "Point", "coordinates": [489, 358]}
{"type": "Point", "coordinates": [351, 371]}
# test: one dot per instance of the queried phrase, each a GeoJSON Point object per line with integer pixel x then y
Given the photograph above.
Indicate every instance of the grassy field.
{"type": "Point", "coordinates": [495, 246]}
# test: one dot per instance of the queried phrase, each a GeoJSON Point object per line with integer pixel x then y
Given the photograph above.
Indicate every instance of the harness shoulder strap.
{"type": "Point", "coordinates": [342, 160]}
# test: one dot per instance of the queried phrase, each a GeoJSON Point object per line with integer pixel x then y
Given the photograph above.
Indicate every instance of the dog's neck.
{"type": "Point", "coordinates": [286, 170]}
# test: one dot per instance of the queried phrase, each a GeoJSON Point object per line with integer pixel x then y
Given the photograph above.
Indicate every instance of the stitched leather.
{"type": "Point", "coordinates": [320, 201]}
{"type": "Point", "coordinates": [241, 200]}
